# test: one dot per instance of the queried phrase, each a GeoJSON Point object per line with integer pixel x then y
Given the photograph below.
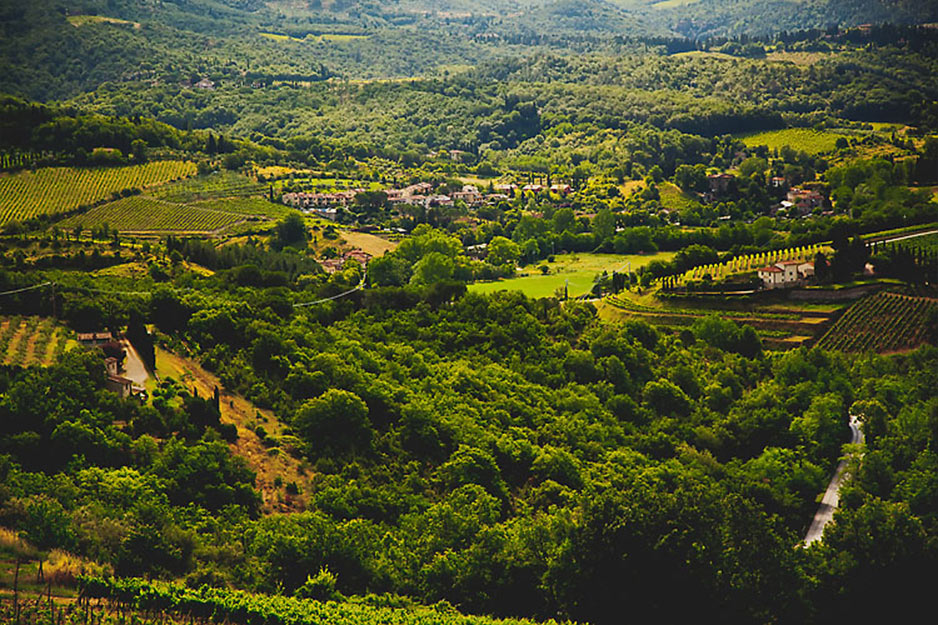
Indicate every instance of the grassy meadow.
{"type": "Point", "coordinates": [802, 139]}
{"type": "Point", "coordinates": [575, 270]}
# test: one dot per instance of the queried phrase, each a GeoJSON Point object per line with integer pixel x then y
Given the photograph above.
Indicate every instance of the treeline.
{"type": "Point", "coordinates": [288, 265]}
{"type": "Point", "coordinates": [62, 135]}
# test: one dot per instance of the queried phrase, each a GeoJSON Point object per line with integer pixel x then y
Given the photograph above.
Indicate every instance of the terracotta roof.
{"type": "Point", "coordinates": [772, 269]}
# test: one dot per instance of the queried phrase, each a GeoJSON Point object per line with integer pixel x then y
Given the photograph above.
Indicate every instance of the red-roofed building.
{"type": "Point", "coordinates": [786, 273]}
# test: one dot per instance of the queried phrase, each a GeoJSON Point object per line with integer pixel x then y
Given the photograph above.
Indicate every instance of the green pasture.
{"type": "Point", "coordinates": [673, 4]}
{"type": "Point", "coordinates": [802, 139]}
{"type": "Point", "coordinates": [575, 270]}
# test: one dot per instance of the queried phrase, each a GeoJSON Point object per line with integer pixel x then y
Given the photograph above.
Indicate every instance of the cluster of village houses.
{"type": "Point", "coordinates": [331, 265]}
{"type": "Point", "coordinates": [785, 274]}
{"type": "Point", "coordinates": [798, 202]}
{"type": "Point", "coordinates": [420, 194]}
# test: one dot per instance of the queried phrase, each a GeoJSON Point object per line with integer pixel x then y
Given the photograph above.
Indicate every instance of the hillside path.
{"type": "Point", "coordinates": [825, 512]}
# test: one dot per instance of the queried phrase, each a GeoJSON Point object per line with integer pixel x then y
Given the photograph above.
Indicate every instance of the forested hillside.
{"type": "Point", "coordinates": [439, 312]}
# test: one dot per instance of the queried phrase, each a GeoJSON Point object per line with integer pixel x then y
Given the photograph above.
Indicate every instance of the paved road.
{"type": "Point", "coordinates": [825, 512]}
{"type": "Point", "coordinates": [907, 236]}
{"type": "Point", "coordinates": [134, 368]}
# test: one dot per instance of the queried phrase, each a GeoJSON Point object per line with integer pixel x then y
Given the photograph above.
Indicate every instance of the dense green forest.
{"type": "Point", "coordinates": [452, 452]}
{"type": "Point", "coordinates": [511, 456]}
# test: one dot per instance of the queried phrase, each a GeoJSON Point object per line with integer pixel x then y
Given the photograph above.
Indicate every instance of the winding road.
{"type": "Point", "coordinates": [825, 512]}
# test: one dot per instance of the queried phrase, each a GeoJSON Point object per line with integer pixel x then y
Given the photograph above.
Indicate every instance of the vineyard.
{"type": "Point", "coordinates": [885, 322]}
{"type": "Point", "coordinates": [750, 262]}
{"type": "Point", "coordinates": [49, 190]}
{"type": "Point", "coordinates": [31, 341]}
{"type": "Point", "coordinates": [779, 328]}
{"type": "Point", "coordinates": [246, 206]}
{"type": "Point", "coordinates": [145, 214]}
{"type": "Point", "coordinates": [212, 187]}
{"type": "Point", "coordinates": [623, 303]}
{"type": "Point", "coordinates": [234, 606]}
{"type": "Point", "coordinates": [926, 243]}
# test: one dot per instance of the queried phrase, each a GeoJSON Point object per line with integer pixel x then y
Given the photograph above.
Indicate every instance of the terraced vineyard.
{"type": "Point", "coordinates": [145, 214]}
{"type": "Point", "coordinates": [32, 341]}
{"type": "Point", "coordinates": [885, 322]}
{"type": "Point", "coordinates": [779, 328]}
{"type": "Point", "coordinates": [60, 189]}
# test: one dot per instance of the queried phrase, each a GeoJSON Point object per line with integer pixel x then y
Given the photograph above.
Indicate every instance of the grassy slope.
{"type": "Point", "coordinates": [372, 244]}
{"type": "Point", "coordinates": [268, 462]}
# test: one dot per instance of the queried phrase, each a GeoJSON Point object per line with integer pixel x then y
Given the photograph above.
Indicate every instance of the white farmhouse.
{"type": "Point", "coordinates": [784, 274]}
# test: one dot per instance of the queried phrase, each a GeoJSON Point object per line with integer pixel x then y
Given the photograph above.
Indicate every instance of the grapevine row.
{"type": "Point", "coordinates": [140, 213]}
{"type": "Point", "coordinates": [233, 606]}
{"type": "Point", "coordinates": [881, 323]}
{"type": "Point", "coordinates": [49, 190]}
{"type": "Point", "coordinates": [748, 262]}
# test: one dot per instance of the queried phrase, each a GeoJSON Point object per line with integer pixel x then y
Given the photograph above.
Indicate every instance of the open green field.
{"type": "Point", "coordinates": [802, 139]}
{"type": "Point", "coordinates": [317, 184]}
{"type": "Point", "coordinates": [575, 270]}
{"type": "Point", "coordinates": [145, 214]}
{"type": "Point", "coordinates": [326, 37]}
{"type": "Point", "coordinates": [702, 54]}
{"type": "Point", "coordinates": [28, 194]}
{"type": "Point", "coordinates": [672, 4]}
{"type": "Point", "coordinates": [798, 58]}
{"type": "Point", "coordinates": [82, 20]}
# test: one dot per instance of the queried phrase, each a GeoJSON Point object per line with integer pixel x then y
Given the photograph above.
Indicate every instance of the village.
{"type": "Point", "coordinates": [326, 205]}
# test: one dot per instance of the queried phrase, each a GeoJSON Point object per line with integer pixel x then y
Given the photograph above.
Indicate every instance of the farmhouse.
{"type": "Point", "coordinates": [360, 256]}
{"type": "Point", "coordinates": [720, 183]}
{"type": "Point", "coordinates": [93, 339]}
{"type": "Point", "coordinates": [469, 194]}
{"type": "Point", "coordinates": [785, 274]}
{"type": "Point", "coordinates": [120, 385]}
{"type": "Point", "coordinates": [806, 200]}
